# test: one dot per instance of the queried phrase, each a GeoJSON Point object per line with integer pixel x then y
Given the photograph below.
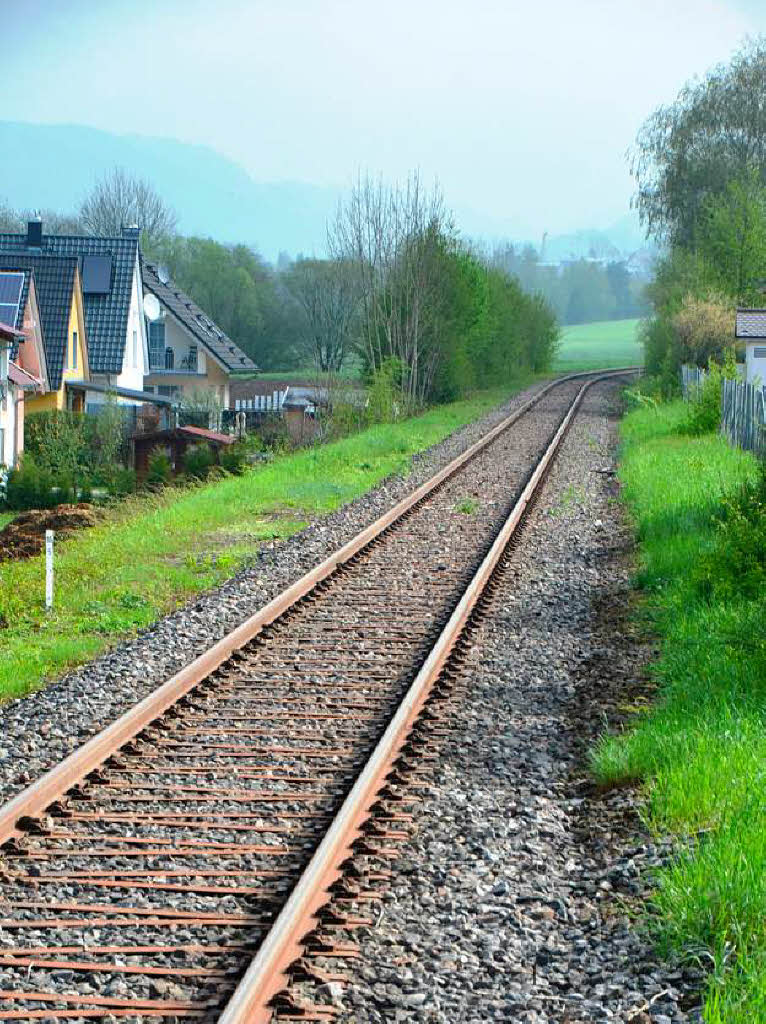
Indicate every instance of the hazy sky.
{"type": "Point", "coordinates": [522, 108]}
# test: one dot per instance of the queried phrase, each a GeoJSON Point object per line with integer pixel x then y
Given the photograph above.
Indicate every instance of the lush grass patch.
{"type": "Point", "coordinates": [5, 518]}
{"type": "Point", "coordinates": [603, 343]}
{"type": "Point", "coordinates": [152, 553]}
{"type": "Point", "coordinates": [701, 750]}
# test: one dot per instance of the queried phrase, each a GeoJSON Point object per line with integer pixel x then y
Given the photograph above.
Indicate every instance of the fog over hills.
{"type": "Point", "coordinates": [54, 166]}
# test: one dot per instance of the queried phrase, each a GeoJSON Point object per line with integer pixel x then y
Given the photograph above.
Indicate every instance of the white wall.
{"type": "Point", "coordinates": [756, 364]}
{"type": "Point", "coordinates": [8, 425]}
{"type": "Point", "coordinates": [136, 360]}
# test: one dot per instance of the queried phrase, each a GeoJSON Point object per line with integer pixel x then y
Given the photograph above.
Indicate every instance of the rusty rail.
{"type": "Point", "coordinates": [33, 801]}
{"type": "Point", "coordinates": [267, 974]}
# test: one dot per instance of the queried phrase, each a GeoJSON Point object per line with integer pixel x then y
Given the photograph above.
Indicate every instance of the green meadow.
{"type": "Point", "coordinates": [600, 344]}
{"type": "Point", "coordinates": [700, 750]}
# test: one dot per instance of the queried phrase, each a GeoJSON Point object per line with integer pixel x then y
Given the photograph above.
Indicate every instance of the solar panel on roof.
{"type": "Point", "coordinates": [11, 284]}
{"type": "Point", "coordinates": [96, 275]}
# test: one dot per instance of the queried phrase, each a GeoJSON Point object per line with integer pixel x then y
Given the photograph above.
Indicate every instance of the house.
{"type": "Point", "coordinates": [49, 313]}
{"type": "Point", "coordinates": [15, 385]}
{"type": "Point", "coordinates": [112, 301]}
{"type": "Point", "coordinates": [751, 328]}
{"type": "Point", "coordinates": [187, 351]}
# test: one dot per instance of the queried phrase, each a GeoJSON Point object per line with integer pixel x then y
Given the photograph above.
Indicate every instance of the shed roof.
{"type": "Point", "coordinates": [750, 323]}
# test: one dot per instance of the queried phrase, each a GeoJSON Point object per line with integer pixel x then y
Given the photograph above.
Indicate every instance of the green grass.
{"type": "Point", "coordinates": [5, 518]}
{"type": "Point", "coordinates": [603, 343]}
{"type": "Point", "coordinates": [700, 751]}
{"type": "Point", "coordinates": [152, 553]}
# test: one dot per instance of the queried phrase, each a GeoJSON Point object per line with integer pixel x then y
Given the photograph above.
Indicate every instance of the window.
{"type": "Point", "coordinates": [135, 349]}
{"type": "Point", "coordinates": [192, 358]}
{"type": "Point", "coordinates": [759, 353]}
{"type": "Point", "coordinates": [73, 364]}
{"type": "Point", "coordinates": [156, 344]}
{"type": "Point", "coordinates": [168, 390]}
{"type": "Point", "coordinates": [96, 275]}
{"type": "Point", "coordinates": [149, 389]}
{"type": "Point", "coordinates": [170, 358]}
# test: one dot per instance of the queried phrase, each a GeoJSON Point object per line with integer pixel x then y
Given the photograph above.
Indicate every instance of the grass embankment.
{"type": "Point", "coordinates": [701, 750]}
{"type": "Point", "coordinates": [598, 345]}
{"type": "Point", "coordinates": [5, 518]}
{"type": "Point", "coordinates": [153, 552]}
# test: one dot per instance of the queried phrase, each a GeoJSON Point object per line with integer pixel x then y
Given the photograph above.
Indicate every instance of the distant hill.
{"type": "Point", "coordinates": [55, 165]}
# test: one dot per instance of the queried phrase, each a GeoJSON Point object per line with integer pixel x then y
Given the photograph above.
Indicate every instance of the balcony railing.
{"type": "Point", "coordinates": [160, 362]}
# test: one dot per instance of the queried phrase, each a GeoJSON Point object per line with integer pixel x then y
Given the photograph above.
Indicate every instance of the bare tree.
{"type": "Point", "coordinates": [326, 294]}
{"type": "Point", "coordinates": [392, 236]}
{"type": "Point", "coordinates": [54, 223]}
{"type": "Point", "coordinates": [119, 199]}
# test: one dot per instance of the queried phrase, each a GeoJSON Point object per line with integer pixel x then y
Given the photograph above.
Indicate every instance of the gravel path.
{"type": "Point", "coordinates": [511, 901]}
{"type": "Point", "coordinates": [40, 729]}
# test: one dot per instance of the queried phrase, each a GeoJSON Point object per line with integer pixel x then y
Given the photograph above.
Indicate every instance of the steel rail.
{"type": "Point", "coordinates": [268, 972]}
{"type": "Point", "coordinates": [33, 801]}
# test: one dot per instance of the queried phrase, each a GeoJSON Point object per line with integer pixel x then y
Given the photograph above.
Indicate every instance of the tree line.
{"type": "Point", "coordinates": [399, 293]}
{"type": "Point", "coordinates": [700, 168]}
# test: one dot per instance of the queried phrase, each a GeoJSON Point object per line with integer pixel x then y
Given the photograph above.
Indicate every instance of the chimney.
{"type": "Point", "coordinates": [130, 230]}
{"type": "Point", "coordinates": [35, 233]}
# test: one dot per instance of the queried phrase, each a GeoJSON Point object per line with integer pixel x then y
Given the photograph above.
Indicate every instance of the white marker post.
{"type": "Point", "coordinates": [48, 569]}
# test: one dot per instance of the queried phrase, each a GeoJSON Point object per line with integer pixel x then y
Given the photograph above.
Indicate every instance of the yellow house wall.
{"type": "Point", "coordinates": [57, 399]}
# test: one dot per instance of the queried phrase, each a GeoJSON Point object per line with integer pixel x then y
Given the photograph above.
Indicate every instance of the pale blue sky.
{"type": "Point", "coordinates": [522, 109]}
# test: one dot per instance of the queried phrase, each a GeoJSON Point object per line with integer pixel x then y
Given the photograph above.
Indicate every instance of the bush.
{"type": "Point", "coordinates": [123, 482]}
{"type": "Point", "coordinates": [233, 459]}
{"type": "Point", "coordinates": [31, 486]}
{"type": "Point", "coordinates": [704, 411]}
{"type": "Point", "coordinates": [198, 460]}
{"type": "Point", "coordinates": [736, 567]}
{"type": "Point", "coordinates": [160, 470]}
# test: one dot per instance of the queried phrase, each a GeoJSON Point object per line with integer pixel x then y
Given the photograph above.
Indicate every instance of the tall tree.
{"type": "Point", "coordinates": [713, 132]}
{"type": "Point", "coordinates": [119, 199]}
{"type": "Point", "coordinates": [326, 293]}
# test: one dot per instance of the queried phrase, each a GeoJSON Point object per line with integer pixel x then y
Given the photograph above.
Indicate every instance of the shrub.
{"type": "Point", "coordinates": [736, 566]}
{"type": "Point", "coordinates": [31, 486]}
{"type": "Point", "coordinates": [198, 460]}
{"type": "Point", "coordinates": [703, 327]}
{"type": "Point", "coordinates": [704, 411]}
{"type": "Point", "coordinates": [160, 470]}
{"type": "Point", "coordinates": [233, 459]}
{"type": "Point", "coordinates": [123, 482]}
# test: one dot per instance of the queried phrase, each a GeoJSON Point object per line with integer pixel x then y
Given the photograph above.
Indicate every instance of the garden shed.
{"type": "Point", "coordinates": [174, 443]}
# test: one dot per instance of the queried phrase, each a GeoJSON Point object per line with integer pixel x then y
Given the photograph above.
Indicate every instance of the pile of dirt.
{"type": "Point", "coordinates": [24, 536]}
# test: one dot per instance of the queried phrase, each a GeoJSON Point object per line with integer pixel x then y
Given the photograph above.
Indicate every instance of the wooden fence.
{"type": "Point", "coordinates": [743, 416]}
{"type": "Point", "coordinates": [692, 379]}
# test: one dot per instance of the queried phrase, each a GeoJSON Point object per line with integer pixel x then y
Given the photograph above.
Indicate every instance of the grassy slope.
{"type": "Point", "coordinates": [154, 552]}
{"type": "Point", "coordinates": [600, 344]}
{"type": "Point", "coordinates": [702, 748]}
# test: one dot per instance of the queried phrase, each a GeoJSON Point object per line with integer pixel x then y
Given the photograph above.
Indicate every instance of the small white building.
{"type": "Point", "coordinates": [751, 328]}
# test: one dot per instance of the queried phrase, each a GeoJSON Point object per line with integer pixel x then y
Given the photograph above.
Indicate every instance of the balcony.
{"type": "Point", "coordinates": [169, 361]}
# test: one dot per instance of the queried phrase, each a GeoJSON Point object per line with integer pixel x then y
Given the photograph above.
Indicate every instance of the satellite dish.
{"type": "Point", "coordinates": [151, 306]}
{"type": "Point", "coordinates": [163, 273]}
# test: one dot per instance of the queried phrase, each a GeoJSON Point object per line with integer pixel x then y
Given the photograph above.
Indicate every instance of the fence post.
{"type": "Point", "coordinates": [48, 569]}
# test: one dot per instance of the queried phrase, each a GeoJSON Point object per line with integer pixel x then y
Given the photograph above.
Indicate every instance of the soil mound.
{"type": "Point", "coordinates": [25, 535]}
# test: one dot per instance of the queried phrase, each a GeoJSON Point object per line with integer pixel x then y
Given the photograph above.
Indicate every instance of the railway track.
{"type": "Point", "coordinates": [175, 867]}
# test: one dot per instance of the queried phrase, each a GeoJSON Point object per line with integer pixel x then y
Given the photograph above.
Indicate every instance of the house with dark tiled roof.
{"type": "Point", "coordinates": [187, 350]}
{"type": "Point", "coordinates": [49, 313]}
{"type": "Point", "coordinates": [751, 328]}
{"type": "Point", "coordinates": [110, 281]}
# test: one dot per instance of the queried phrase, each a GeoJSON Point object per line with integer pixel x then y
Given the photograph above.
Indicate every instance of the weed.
{"type": "Point", "coordinates": [467, 506]}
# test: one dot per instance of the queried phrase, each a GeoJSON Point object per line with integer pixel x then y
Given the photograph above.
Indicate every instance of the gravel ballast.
{"type": "Point", "coordinates": [40, 729]}
{"type": "Point", "coordinates": [514, 897]}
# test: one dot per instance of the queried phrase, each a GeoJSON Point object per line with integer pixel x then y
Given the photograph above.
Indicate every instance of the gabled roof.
{"type": "Point", "coordinates": [195, 320]}
{"type": "Point", "coordinates": [106, 315]}
{"type": "Point", "coordinates": [54, 281]}
{"type": "Point", "coordinates": [751, 323]}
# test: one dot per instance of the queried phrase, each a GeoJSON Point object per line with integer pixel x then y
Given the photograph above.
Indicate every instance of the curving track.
{"type": "Point", "coordinates": [153, 874]}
